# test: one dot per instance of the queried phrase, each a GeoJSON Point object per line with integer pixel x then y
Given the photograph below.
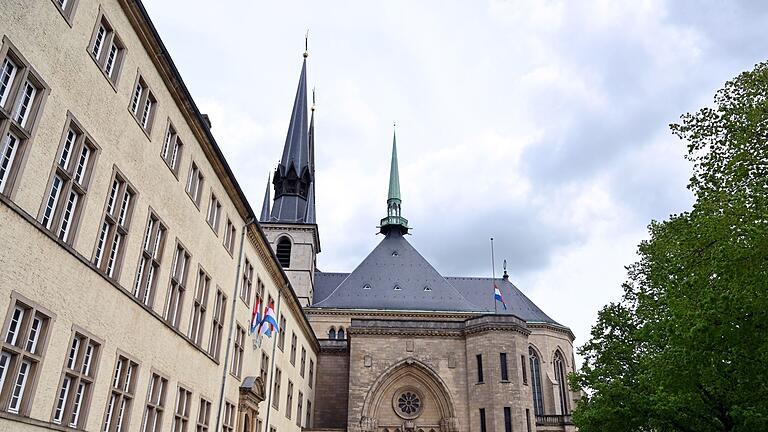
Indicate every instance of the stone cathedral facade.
{"type": "Point", "coordinates": [402, 347]}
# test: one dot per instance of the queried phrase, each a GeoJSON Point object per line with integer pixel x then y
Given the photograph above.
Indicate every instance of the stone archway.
{"type": "Point", "coordinates": [409, 396]}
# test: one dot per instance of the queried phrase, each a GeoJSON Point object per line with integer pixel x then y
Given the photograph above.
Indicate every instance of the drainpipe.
{"type": "Point", "coordinates": [270, 389]}
{"type": "Point", "coordinates": [248, 223]}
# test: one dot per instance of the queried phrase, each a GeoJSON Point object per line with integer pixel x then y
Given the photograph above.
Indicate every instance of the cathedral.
{"type": "Point", "coordinates": [403, 347]}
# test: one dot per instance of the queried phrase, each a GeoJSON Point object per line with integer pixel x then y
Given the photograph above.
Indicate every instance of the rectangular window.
{"type": "Point", "coordinates": [228, 423]}
{"type": "Point", "coordinates": [217, 326]}
{"type": "Point", "coordinates": [71, 174]}
{"type": "Point", "coordinates": [214, 209]}
{"type": "Point", "coordinates": [264, 366]}
{"type": "Point", "coordinates": [24, 341]}
{"type": "Point", "coordinates": [237, 353]}
{"type": "Point", "coordinates": [525, 371]}
{"type": "Point", "coordinates": [67, 9]}
{"type": "Point", "coordinates": [247, 285]}
{"type": "Point", "coordinates": [106, 49]}
{"type": "Point", "coordinates": [299, 406]}
{"type": "Point", "coordinates": [120, 400]}
{"type": "Point", "coordinates": [204, 416]}
{"type": "Point", "coordinates": [308, 422]}
{"type": "Point", "coordinates": [22, 93]}
{"type": "Point", "coordinates": [197, 321]}
{"type": "Point", "coordinates": [289, 400]}
{"type": "Point", "coordinates": [74, 394]}
{"type": "Point", "coordinates": [276, 389]}
{"type": "Point", "coordinates": [281, 335]}
{"type": "Point", "coordinates": [482, 420]}
{"type": "Point", "coordinates": [311, 372]}
{"type": "Point", "coordinates": [479, 368]}
{"type": "Point", "coordinates": [195, 184]}
{"type": "Point", "coordinates": [175, 299]}
{"type": "Point", "coordinates": [108, 254]}
{"type": "Point", "coordinates": [153, 413]}
{"type": "Point", "coordinates": [152, 247]}
{"type": "Point", "coordinates": [503, 366]}
{"type": "Point", "coordinates": [143, 104]}
{"type": "Point", "coordinates": [171, 150]}
{"type": "Point", "coordinates": [229, 237]}
{"type": "Point", "coordinates": [183, 407]}
{"type": "Point", "coordinates": [528, 419]}
{"type": "Point", "coordinates": [507, 419]}
{"type": "Point", "coordinates": [303, 361]}
{"type": "Point", "coordinates": [293, 348]}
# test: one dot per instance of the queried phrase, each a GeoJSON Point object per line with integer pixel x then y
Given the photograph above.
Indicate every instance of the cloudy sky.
{"type": "Point", "coordinates": [543, 124]}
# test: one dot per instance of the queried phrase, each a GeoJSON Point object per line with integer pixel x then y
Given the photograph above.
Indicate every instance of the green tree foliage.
{"type": "Point", "coordinates": [686, 348]}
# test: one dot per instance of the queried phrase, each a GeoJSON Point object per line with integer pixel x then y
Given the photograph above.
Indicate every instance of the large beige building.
{"type": "Point", "coordinates": [130, 256]}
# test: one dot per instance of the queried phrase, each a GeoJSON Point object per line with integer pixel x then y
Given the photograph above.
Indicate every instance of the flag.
{"type": "Point", "coordinates": [255, 316]}
{"type": "Point", "coordinates": [497, 295]}
{"type": "Point", "coordinates": [269, 323]}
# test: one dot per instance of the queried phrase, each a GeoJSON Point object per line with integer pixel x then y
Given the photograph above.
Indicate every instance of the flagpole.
{"type": "Point", "coordinates": [493, 274]}
{"type": "Point", "coordinates": [272, 360]}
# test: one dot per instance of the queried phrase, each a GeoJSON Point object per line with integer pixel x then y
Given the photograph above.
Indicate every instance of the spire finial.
{"type": "Point", "coordinates": [313, 99]}
{"type": "Point", "coordinates": [306, 44]}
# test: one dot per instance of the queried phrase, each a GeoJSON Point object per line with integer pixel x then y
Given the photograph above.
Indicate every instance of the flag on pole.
{"type": "Point", "coordinates": [269, 323]}
{"type": "Point", "coordinates": [497, 295]}
{"type": "Point", "coordinates": [255, 316]}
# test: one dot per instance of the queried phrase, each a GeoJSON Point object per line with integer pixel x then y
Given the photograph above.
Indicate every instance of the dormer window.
{"type": "Point", "coordinates": [395, 253]}
{"type": "Point", "coordinates": [367, 286]}
{"type": "Point", "coordinates": [427, 288]}
{"type": "Point", "coordinates": [397, 288]}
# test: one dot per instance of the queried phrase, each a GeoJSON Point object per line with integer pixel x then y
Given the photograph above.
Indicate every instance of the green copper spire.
{"type": "Point", "coordinates": [393, 221]}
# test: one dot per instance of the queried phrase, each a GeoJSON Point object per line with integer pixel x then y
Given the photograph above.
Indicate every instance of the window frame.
{"type": "Point", "coordinates": [194, 169]}
{"type": "Point", "coordinates": [238, 352]}
{"type": "Point", "coordinates": [216, 222]}
{"type": "Point", "coordinates": [179, 284]}
{"type": "Point", "coordinates": [158, 407]}
{"type": "Point", "coordinates": [182, 418]}
{"type": "Point", "coordinates": [504, 367]}
{"type": "Point", "coordinates": [145, 94]}
{"type": "Point", "coordinates": [111, 36]}
{"type": "Point", "coordinates": [246, 287]}
{"type": "Point", "coordinates": [115, 227]}
{"type": "Point", "coordinates": [68, 11]}
{"type": "Point", "coordinates": [199, 306]}
{"type": "Point", "coordinates": [480, 372]}
{"type": "Point", "coordinates": [170, 144]}
{"type": "Point", "coordinates": [122, 394]}
{"type": "Point", "coordinates": [217, 323]}
{"type": "Point", "coordinates": [229, 237]}
{"type": "Point", "coordinates": [204, 424]}
{"type": "Point", "coordinates": [229, 416]}
{"type": "Point", "coordinates": [154, 257]}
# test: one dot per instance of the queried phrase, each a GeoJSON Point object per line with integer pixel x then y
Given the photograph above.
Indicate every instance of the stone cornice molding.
{"type": "Point", "coordinates": [556, 328]}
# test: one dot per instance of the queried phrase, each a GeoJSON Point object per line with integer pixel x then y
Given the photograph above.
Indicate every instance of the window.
{"type": "Point", "coordinates": [276, 389]}
{"type": "Point", "coordinates": [74, 395]}
{"type": "Point", "coordinates": [293, 348]}
{"type": "Point", "coordinates": [214, 208]}
{"type": "Point", "coordinates": [245, 288]}
{"type": "Point", "coordinates": [118, 412]}
{"type": "Point", "coordinates": [479, 368]}
{"type": "Point", "coordinates": [106, 49]}
{"type": "Point", "coordinates": [308, 422]}
{"type": "Point", "coordinates": [340, 334]}
{"type": "Point", "coordinates": [22, 93]}
{"type": "Point", "coordinates": [283, 252]}
{"type": "Point", "coordinates": [298, 409]}
{"type": "Point", "coordinates": [152, 247]}
{"type": "Point", "coordinates": [311, 372]}
{"type": "Point", "coordinates": [183, 407]}
{"type": "Point", "coordinates": [171, 150]}
{"type": "Point", "coordinates": [303, 361]}
{"type": "Point", "coordinates": [482, 420]}
{"type": "Point", "coordinates": [507, 419]}
{"type": "Point", "coordinates": [175, 300]}
{"type": "Point", "coordinates": [197, 321]}
{"type": "Point", "coordinates": [110, 241]}
{"type": "Point", "coordinates": [264, 367]}
{"type": "Point", "coordinates": [61, 208]}
{"type": "Point", "coordinates": [23, 348]}
{"type": "Point", "coordinates": [229, 237]}
{"type": "Point", "coordinates": [195, 184]}
{"type": "Point", "coordinates": [153, 413]}
{"type": "Point", "coordinates": [560, 376]}
{"type": "Point", "coordinates": [217, 326]}
{"type": "Point", "coordinates": [503, 366]}
{"type": "Point", "coordinates": [289, 400]}
{"type": "Point", "coordinates": [237, 353]}
{"type": "Point", "coordinates": [281, 335]}
{"type": "Point", "coordinates": [528, 419]}
{"type": "Point", "coordinates": [228, 425]}
{"type": "Point", "coordinates": [67, 9]}
{"type": "Point", "coordinates": [332, 333]}
{"type": "Point", "coordinates": [525, 369]}
{"type": "Point", "coordinates": [204, 416]}
{"type": "Point", "coordinates": [538, 398]}
{"type": "Point", "coordinates": [143, 104]}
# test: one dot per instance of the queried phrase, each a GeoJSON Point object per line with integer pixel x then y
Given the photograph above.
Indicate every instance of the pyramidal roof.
{"type": "Point", "coordinates": [394, 276]}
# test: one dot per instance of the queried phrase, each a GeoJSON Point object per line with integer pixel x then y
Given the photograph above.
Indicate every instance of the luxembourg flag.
{"type": "Point", "coordinates": [255, 316]}
{"type": "Point", "coordinates": [497, 295]}
{"type": "Point", "coordinates": [269, 323]}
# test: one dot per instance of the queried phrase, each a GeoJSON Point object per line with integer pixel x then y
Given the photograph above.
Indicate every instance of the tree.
{"type": "Point", "coordinates": [686, 347]}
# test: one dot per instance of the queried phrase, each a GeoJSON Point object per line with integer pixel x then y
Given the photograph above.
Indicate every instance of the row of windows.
{"type": "Point", "coordinates": [534, 363]}
{"type": "Point", "coordinates": [289, 400]}
{"type": "Point", "coordinates": [337, 334]}
{"type": "Point", "coordinates": [25, 339]}
{"type": "Point", "coordinates": [507, 419]}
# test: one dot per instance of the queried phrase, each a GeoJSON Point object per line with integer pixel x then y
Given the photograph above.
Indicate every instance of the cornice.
{"type": "Point", "coordinates": [554, 327]}
{"type": "Point", "coordinates": [458, 316]}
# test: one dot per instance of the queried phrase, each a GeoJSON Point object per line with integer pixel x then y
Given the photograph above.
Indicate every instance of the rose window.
{"type": "Point", "coordinates": [409, 403]}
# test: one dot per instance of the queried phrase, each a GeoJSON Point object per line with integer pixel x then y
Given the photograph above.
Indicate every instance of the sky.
{"type": "Point", "coordinates": [543, 124]}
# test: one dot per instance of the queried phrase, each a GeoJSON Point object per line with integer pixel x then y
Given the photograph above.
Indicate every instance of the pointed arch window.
{"type": "Point", "coordinates": [559, 365]}
{"type": "Point", "coordinates": [538, 399]}
{"type": "Point", "coordinates": [340, 334]}
{"type": "Point", "coordinates": [332, 333]}
{"type": "Point", "coordinates": [283, 252]}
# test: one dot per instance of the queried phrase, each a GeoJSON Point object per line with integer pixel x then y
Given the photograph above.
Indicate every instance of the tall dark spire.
{"type": "Point", "coordinates": [394, 221]}
{"type": "Point", "coordinates": [265, 206]}
{"type": "Point", "coordinates": [294, 175]}
{"type": "Point", "coordinates": [311, 198]}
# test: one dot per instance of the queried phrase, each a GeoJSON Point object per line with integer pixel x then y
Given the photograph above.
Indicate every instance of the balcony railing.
{"type": "Point", "coordinates": [553, 420]}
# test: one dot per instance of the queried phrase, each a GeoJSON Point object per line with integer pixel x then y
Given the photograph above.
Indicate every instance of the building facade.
{"type": "Point", "coordinates": [131, 259]}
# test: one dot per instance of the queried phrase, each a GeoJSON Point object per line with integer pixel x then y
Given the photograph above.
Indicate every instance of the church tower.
{"type": "Point", "coordinates": [289, 219]}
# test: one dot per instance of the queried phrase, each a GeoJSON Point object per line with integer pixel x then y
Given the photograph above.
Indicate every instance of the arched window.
{"type": "Point", "coordinates": [559, 364]}
{"type": "Point", "coordinates": [247, 424]}
{"type": "Point", "coordinates": [340, 334]}
{"type": "Point", "coordinates": [332, 333]}
{"type": "Point", "coordinates": [538, 398]}
{"type": "Point", "coordinates": [283, 252]}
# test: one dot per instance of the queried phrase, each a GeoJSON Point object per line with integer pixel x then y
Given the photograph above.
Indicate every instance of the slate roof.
{"type": "Point", "coordinates": [412, 272]}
